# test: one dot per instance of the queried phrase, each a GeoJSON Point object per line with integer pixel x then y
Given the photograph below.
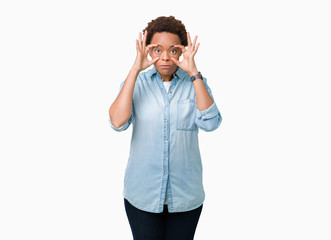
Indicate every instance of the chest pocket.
{"type": "Point", "coordinates": [186, 113]}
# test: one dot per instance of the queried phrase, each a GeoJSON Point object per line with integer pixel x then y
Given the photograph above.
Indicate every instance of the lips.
{"type": "Point", "coordinates": [165, 66]}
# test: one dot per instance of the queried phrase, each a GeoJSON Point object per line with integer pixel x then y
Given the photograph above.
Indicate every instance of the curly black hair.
{"type": "Point", "coordinates": [166, 24]}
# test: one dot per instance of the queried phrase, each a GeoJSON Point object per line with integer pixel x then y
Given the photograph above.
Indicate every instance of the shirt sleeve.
{"type": "Point", "coordinates": [210, 118]}
{"type": "Point", "coordinates": [127, 123]}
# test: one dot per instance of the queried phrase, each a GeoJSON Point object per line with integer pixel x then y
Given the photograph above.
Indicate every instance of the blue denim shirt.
{"type": "Point", "coordinates": [164, 151]}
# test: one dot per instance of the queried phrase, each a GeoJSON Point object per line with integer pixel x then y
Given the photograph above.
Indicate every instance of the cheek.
{"type": "Point", "coordinates": [154, 55]}
{"type": "Point", "coordinates": [176, 56]}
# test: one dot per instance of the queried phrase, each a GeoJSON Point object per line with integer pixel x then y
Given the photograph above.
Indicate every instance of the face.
{"type": "Point", "coordinates": [165, 50]}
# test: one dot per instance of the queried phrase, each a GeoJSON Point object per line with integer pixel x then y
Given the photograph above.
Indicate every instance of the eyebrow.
{"type": "Point", "coordinates": [169, 46]}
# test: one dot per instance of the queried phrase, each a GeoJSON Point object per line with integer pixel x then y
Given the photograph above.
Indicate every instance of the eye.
{"type": "Point", "coordinates": [157, 51]}
{"type": "Point", "coordinates": [173, 51]}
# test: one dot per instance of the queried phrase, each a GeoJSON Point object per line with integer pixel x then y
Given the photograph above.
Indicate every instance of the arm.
{"type": "Point", "coordinates": [121, 109]}
{"type": "Point", "coordinates": [208, 119]}
{"type": "Point", "coordinates": [204, 100]}
{"type": "Point", "coordinates": [208, 116]}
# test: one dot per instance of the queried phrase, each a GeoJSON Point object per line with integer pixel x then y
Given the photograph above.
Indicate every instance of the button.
{"type": "Point", "coordinates": [166, 155]}
{"type": "Point", "coordinates": [165, 172]}
{"type": "Point", "coordinates": [166, 120]}
{"type": "Point", "coordinates": [166, 138]}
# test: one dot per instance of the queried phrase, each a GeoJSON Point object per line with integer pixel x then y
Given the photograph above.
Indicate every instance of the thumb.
{"type": "Point", "coordinates": [175, 61]}
{"type": "Point", "coordinates": [154, 60]}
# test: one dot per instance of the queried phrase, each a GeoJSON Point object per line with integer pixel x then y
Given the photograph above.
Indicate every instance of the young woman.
{"type": "Point", "coordinates": [167, 105]}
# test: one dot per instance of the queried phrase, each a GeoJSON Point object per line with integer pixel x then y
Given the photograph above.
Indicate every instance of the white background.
{"type": "Point", "coordinates": [266, 168]}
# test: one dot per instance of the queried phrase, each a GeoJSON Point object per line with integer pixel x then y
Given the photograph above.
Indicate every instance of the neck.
{"type": "Point", "coordinates": [167, 78]}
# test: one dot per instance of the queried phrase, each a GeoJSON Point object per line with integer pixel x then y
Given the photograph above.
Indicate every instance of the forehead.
{"type": "Point", "coordinates": [165, 39]}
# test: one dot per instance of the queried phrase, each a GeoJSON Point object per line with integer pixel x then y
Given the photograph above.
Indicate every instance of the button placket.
{"type": "Point", "coordinates": [167, 96]}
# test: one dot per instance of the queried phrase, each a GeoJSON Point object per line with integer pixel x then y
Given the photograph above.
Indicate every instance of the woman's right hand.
{"type": "Point", "coordinates": [142, 62]}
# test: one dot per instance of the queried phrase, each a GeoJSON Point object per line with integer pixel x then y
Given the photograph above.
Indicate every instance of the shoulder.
{"type": "Point", "coordinates": [146, 75]}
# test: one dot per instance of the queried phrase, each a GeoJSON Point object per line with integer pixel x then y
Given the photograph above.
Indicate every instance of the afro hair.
{"type": "Point", "coordinates": [166, 24]}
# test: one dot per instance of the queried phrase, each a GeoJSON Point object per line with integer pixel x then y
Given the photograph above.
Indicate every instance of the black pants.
{"type": "Point", "coordinates": [162, 226]}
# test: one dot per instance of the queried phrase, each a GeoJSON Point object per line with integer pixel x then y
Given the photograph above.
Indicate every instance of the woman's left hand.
{"type": "Point", "coordinates": [188, 63]}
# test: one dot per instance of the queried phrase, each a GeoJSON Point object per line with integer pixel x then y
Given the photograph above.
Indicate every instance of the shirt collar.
{"type": "Point", "coordinates": [180, 73]}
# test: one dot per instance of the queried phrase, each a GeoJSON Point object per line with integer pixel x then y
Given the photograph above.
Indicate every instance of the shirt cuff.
{"type": "Point", "coordinates": [121, 128]}
{"type": "Point", "coordinates": [208, 113]}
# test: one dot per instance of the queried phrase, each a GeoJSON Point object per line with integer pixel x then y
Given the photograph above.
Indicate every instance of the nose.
{"type": "Point", "coordinates": [165, 56]}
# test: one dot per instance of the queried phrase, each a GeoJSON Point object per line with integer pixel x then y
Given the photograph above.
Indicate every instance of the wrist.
{"type": "Point", "coordinates": [196, 76]}
{"type": "Point", "coordinates": [135, 69]}
{"type": "Point", "coordinates": [194, 72]}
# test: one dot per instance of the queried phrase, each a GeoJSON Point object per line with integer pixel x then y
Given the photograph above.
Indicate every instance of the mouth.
{"type": "Point", "coordinates": [165, 66]}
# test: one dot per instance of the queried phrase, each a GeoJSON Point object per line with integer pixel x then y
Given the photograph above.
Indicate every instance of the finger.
{"type": "Point", "coordinates": [150, 46]}
{"type": "Point", "coordinates": [145, 37]}
{"type": "Point", "coordinates": [181, 47]}
{"type": "Point", "coordinates": [194, 42]}
{"type": "Point", "coordinates": [189, 40]}
{"type": "Point", "coordinates": [196, 49]}
{"type": "Point", "coordinates": [137, 45]}
{"type": "Point", "coordinates": [176, 61]}
{"type": "Point", "coordinates": [139, 38]}
{"type": "Point", "coordinates": [154, 60]}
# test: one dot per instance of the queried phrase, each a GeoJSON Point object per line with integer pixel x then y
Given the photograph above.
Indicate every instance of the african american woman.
{"type": "Point", "coordinates": [167, 105]}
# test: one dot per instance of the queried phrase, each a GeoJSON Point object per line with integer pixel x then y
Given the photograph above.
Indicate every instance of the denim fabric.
{"type": "Point", "coordinates": [164, 144]}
